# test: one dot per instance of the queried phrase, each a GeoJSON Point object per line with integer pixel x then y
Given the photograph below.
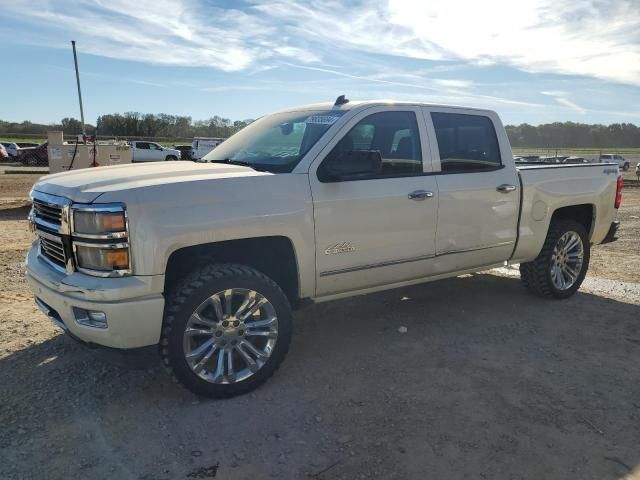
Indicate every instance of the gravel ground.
{"type": "Point", "coordinates": [488, 382]}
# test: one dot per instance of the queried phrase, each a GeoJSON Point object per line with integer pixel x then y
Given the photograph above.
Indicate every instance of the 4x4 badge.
{"type": "Point", "coordinates": [344, 247]}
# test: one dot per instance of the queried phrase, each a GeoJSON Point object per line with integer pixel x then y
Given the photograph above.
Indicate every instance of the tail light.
{"type": "Point", "coordinates": [619, 192]}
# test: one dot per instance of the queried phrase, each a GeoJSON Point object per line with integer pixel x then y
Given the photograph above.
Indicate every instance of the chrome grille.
{"type": "Point", "coordinates": [52, 248]}
{"type": "Point", "coordinates": [48, 212]}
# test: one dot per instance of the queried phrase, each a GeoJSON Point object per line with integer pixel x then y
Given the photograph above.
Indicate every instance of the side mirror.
{"type": "Point", "coordinates": [353, 165]}
{"type": "Point", "coordinates": [286, 128]}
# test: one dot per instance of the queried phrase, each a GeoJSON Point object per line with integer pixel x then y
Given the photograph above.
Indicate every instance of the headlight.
{"type": "Point", "coordinates": [97, 223]}
{"type": "Point", "coordinates": [101, 239]}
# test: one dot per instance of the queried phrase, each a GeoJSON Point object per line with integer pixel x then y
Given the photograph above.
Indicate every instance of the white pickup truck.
{"type": "Point", "coordinates": [152, 152]}
{"type": "Point", "coordinates": [308, 204]}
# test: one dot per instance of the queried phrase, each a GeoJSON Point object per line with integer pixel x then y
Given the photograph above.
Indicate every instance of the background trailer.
{"type": "Point", "coordinates": [64, 156]}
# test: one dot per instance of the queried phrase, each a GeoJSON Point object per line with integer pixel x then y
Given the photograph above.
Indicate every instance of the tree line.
{"type": "Point", "coordinates": [574, 135]}
{"type": "Point", "coordinates": [135, 124]}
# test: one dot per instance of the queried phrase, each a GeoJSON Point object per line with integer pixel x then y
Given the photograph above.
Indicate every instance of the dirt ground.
{"type": "Point", "coordinates": [488, 382]}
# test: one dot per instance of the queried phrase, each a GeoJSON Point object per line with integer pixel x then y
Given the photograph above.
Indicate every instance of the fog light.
{"type": "Point", "coordinates": [90, 318]}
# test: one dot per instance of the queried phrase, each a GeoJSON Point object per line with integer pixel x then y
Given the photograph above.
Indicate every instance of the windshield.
{"type": "Point", "coordinates": [275, 143]}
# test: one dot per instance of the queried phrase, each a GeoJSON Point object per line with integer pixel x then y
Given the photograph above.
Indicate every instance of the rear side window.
{"type": "Point", "coordinates": [142, 145]}
{"type": "Point", "coordinates": [466, 142]}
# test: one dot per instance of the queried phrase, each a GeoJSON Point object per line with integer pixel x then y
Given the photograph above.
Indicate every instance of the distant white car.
{"type": "Point", "coordinates": [638, 170]}
{"type": "Point", "coordinates": [152, 152]}
{"type": "Point", "coordinates": [201, 146]}
{"type": "Point", "coordinates": [3, 151]}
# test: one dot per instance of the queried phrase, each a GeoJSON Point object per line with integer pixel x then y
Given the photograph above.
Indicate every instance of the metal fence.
{"type": "Point", "coordinates": [33, 156]}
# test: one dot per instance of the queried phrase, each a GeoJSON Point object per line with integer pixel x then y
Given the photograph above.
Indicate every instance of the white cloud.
{"type": "Point", "coordinates": [169, 32]}
{"type": "Point", "coordinates": [592, 38]}
{"type": "Point", "coordinates": [452, 83]}
{"type": "Point", "coordinates": [579, 37]}
{"type": "Point", "coordinates": [561, 98]}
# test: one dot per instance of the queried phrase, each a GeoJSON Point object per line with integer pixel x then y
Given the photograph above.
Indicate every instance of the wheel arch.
{"type": "Point", "coordinates": [584, 214]}
{"type": "Point", "coordinates": [273, 256]}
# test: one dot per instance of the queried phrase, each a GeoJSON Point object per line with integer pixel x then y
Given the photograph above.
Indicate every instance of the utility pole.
{"type": "Point", "coordinates": [75, 61]}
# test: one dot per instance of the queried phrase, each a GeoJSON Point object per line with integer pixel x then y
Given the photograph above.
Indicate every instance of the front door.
{"type": "Point", "coordinates": [376, 229]}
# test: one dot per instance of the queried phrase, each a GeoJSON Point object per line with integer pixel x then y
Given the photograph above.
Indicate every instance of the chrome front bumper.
{"type": "Point", "coordinates": [134, 305]}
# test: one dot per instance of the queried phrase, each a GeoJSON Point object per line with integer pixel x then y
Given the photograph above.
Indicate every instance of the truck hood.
{"type": "Point", "coordinates": [86, 185]}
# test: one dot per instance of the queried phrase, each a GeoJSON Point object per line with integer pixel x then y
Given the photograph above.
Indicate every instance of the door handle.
{"type": "Point", "coordinates": [504, 188]}
{"type": "Point", "coordinates": [420, 195]}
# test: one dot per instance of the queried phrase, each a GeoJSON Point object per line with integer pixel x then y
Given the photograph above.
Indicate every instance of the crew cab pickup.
{"type": "Point", "coordinates": [617, 159]}
{"type": "Point", "coordinates": [309, 204]}
{"type": "Point", "coordinates": [152, 152]}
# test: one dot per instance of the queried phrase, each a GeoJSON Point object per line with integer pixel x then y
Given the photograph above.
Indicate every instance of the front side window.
{"type": "Point", "coordinates": [391, 136]}
{"type": "Point", "coordinates": [277, 142]}
{"type": "Point", "coordinates": [466, 142]}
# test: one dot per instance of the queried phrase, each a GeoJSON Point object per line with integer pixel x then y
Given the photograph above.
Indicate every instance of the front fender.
{"type": "Point", "coordinates": [169, 217]}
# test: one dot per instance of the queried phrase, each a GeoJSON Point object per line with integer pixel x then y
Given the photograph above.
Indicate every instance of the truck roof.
{"type": "Point", "coordinates": [368, 103]}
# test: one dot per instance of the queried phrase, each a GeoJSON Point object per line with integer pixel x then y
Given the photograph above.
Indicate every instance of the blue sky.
{"type": "Point", "coordinates": [533, 61]}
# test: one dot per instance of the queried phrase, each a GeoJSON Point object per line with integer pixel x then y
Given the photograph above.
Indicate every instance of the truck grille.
{"type": "Point", "coordinates": [52, 248]}
{"type": "Point", "coordinates": [50, 221]}
{"type": "Point", "coordinates": [48, 212]}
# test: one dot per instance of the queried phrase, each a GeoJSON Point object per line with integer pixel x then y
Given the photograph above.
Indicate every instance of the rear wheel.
{"type": "Point", "coordinates": [561, 266]}
{"type": "Point", "coordinates": [226, 330]}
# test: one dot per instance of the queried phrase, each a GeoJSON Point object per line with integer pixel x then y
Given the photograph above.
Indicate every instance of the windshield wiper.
{"type": "Point", "coordinates": [234, 162]}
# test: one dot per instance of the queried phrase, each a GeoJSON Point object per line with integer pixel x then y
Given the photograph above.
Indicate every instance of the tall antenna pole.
{"type": "Point", "coordinates": [75, 61]}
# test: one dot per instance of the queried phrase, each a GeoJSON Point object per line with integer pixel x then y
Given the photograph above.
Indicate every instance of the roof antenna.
{"type": "Point", "coordinates": [341, 100]}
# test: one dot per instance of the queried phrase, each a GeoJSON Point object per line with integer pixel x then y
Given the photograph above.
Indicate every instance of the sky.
{"type": "Point", "coordinates": [534, 61]}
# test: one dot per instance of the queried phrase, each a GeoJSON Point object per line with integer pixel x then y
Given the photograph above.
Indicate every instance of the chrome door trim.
{"type": "Point", "coordinates": [407, 260]}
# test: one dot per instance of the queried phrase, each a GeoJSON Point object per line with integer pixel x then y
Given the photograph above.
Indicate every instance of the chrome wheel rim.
{"type": "Point", "coordinates": [566, 261]}
{"type": "Point", "coordinates": [230, 336]}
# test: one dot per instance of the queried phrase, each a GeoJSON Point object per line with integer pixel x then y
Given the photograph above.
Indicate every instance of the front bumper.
{"type": "Point", "coordinates": [133, 305]}
{"type": "Point", "coordinates": [611, 234]}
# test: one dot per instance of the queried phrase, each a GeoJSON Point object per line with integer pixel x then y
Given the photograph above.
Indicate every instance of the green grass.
{"type": "Point", "coordinates": [17, 140]}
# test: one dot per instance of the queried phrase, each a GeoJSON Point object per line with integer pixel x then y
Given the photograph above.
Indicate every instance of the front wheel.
{"type": "Point", "coordinates": [562, 264]}
{"type": "Point", "coordinates": [226, 330]}
{"type": "Point", "coordinates": [171, 158]}
{"type": "Point", "coordinates": [625, 167]}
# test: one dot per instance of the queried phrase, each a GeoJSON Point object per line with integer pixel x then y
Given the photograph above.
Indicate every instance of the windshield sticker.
{"type": "Point", "coordinates": [322, 119]}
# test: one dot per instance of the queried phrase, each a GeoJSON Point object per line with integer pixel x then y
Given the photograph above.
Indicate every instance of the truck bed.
{"type": "Point", "coordinates": [547, 188]}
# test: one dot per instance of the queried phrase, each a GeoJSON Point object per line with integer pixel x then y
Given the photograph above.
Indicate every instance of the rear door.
{"type": "Point", "coordinates": [478, 185]}
{"type": "Point", "coordinates": [376, 230]}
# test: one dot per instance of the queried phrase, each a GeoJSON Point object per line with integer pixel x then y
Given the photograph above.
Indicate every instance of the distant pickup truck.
{"type": "Point", "coordinates": [306, 205]}
{"type": "Point", "coordinates": [152, 152]}
{"type": "Point", "coordinates": [13, 148]}
{"type": "Point", "coordinates": [618, 159]}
